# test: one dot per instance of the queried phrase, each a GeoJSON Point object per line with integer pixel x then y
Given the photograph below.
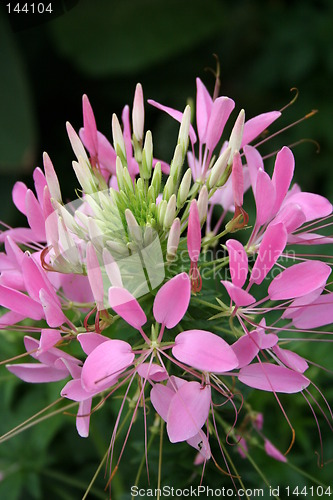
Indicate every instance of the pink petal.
{"type": "Point", "coordinates": [255, 126]}
{"type": "Point", "coordinates": [264, 196]}
{"type": "Point", "coordinates": [160, 397]}
{"type": "Point", "coordinates": [127, 307]}
{"type": "Point", "coordinates": [89, 341]}
{"type": "Point", "coordinates": [35, 279]}
{"type": "Point", "coordinates": [48, 339]}
{"type": "Point", "coordinates": [254, 162]}
{"type": "Point", "coordinates": [298, 280]}
{"type": "Point", "coordinates": [10, 318]}
{"type": "Point", "coordinates": [204, 106]}
{"type": "Point", "coordinates": [83, 418]}
{"type": "Point", "coordinates": [292, 216]}
{"type": "Point", "coordinates": [188, 411]}
{"type": "Point", "coordinates": [237, 179]}
{"type": "Point", "coordinates": [314, 206]}
{"type": "Point", "coordinates": [18, 194]}
{"type": "Point", "coordinates": [125, 116]}
{"type": "Point", "coordinates": [291, 359]}
{"type": "Point", "coordinates": [245, 349]}
{"type": "Point", "coordinates": [35, 215]}
{"type": "Point", "coordinates": [76, 287]}
{"type": "Point", "coordinates": [282, 175]}
{"type": "Point", "coordinates": [106, 154]}
{"type": "Point", "coordinates": [37, 372]}
{"type": "Point", "coordinates": [13, 251]}
{"type": "Point", "coordinates": [112, 269]}
{"type": "Point", "coordinates": [48, 357]}
{"type": "Point", "coordinates": [221, 110]}
{"type": "Point", "coordinates": [200, 443]}
{"type": "Point", "coordinates": [19, 234]}
{"type": "Point", "coordinates": [90, 128]}
{"type": "Point", "coordinates": [95, 276]}
{"type": "Point", "coordinates": [274, 452]}
{"type": "Point", "coordinates": [318, 313]}
{"type": "Point", "coordinates": [194, 232]}
{"type": "Point", "coordinates": [53, 313]}
{"type": "Point", "coordinates": [105, 364]}
{"type": "Point", "coordinates": [204, 351]}
{"type": "Point", "coordinates": [152, 371]}
{"type": "Point", "coordinates": [296, 306]}
{"type": "Point", "coordinates": [272, 378]}
{"type": "Point", "coordinates": [238, 295]}
{"type": "Point", "coordinates": [238, 262]}
{"type": "Point", "coordinates": [40, 184]}
{"type": "Point", "coordinates": [271, 247]}
{"type": "Point", "coordinates": [177, 115]}
{"type": "Point", "coordinates": [20, 303]}
{"type": "Point", "coordinates": [309, 239]}
{"type": "Point", "coordinates": [74, 390]}
{"type": "Point", "coordinates": [172, 300]}
{"type": "Point", "coordinates": [265, 340]}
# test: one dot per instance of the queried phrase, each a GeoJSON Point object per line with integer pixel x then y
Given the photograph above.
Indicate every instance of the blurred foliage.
{"type": "Point", "coordinates": [103, 48]}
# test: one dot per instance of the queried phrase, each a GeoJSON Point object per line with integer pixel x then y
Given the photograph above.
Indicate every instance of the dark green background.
{"type": "Point", "coordinates": [103, 48]}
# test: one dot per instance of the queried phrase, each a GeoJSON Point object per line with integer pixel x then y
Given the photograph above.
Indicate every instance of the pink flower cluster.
{"type": "Point", "coordinates": [69, 261]}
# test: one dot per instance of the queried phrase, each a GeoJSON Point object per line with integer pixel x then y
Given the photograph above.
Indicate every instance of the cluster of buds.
{"type": "Point", "coordinates": [131, 249]}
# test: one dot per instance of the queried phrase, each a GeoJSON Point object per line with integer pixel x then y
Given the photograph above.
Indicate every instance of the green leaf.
{"type": "Point", "coordinates": [17, 120]}
{"type": "Point", "coordinates": [127, 36]}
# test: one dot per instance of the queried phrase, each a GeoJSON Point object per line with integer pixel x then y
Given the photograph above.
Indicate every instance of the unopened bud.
{"type": "Point", "coordinates": [133, 227]}
{"type": "Point", "coordinates": [218, 169]}
{"type": "Point", "coordinates": [138, 113]}
{"type": "Point", "coordinates": [176, 163]}
{"type": "Point", "coordinates": [184, 129]}
{"type": "Point", "coordinates": [51, 178]}
{"type": "Point", "coordinates": [157, 178]}
{"type": "Point", "coordinates": [128, 183]}
{"type": "Point", "coordinates": [84, 175]}
{"type": "Point", "coordinates": [170, 212]}
{"type": "Point", "coordinates": [161, 209]}
{"type": "Point", "coordinates": [147, 157]}
{"type": "Point", "coordinates": [76, 143]}
{"type": "Point", "coordinates": [168, 189]}
{"type": "Point", "coordinates": [203, 204]}
{"type": "Point", "coordinates": [173, 239]}
{"type": "Point", "coordinates": [118, 139]}
{"type": "Point", "coordinates": [120, 174]}
{"type": "Point", "coordinates": [236, 135]}
{"type": "Point", "coordinates": [184, 188]}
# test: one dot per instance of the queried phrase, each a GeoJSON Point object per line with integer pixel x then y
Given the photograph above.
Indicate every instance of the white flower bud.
{"type": "Point", "coordinates": [161, 209]}
{"type": "Point", "coordinates": [147, 157]}
{"type": "Point", "coordinates": [157, 178]}
{"type": "Point", "coordinates": [203, 204]}
{"type": "Point", "coordinates": [168, 189]}
{"type": "Point", "coordinates": [236, 135]}
{"type": "Point", "coordinates": [133, 227]}
{"type": "Point", "coordinates": [184, 188]}
{"type": "Point", "coordinates": [118, 139]}
{"type": "Point", "coordinates": [218, 168]}
{"type": "Point", "coordinates": [184, 129]}
{"type": "Point", "coordinates": [138, 113]}
{"type": "Point", "coordinates": [173, 239]}
{"type": "Point", "coordinates": [170, 212]}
